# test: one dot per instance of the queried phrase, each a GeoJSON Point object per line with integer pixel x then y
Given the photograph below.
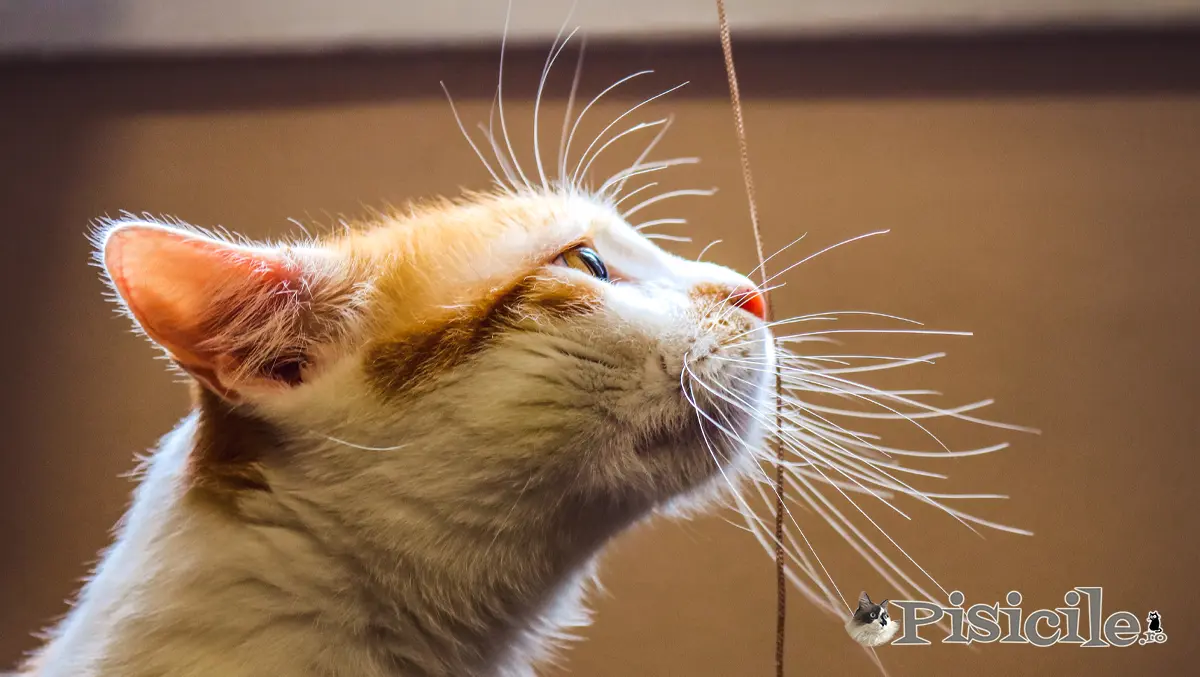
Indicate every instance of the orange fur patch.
{"type": "Point", "coordinates": [402, 364]}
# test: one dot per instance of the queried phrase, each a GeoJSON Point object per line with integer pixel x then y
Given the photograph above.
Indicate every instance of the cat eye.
{"type": "Point", "coordinates": [585, 259]}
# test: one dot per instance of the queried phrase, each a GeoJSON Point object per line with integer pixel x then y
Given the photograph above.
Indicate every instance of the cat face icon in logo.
{"type": "Point", "coordinates": [870, 625]}
{"type": "Point", "coordinates": [1154, 633]}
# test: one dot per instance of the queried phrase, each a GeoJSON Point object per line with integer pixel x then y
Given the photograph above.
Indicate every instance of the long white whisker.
{"type": "Point", "coordinates": [639, 169]}
{"type": "Point", "coordinates": [501, 160]}
{"type": "Point", "coordinates": [555, 50]}
{"type": "Point", "coordinates": [633, 192]}
{"type": "Point", "coordinates": [973, 406]}
{"type": "Point", "coordinates": [754, 522]}
{"type": "Point", "coordinates": [500, 99]}
{"type": "Point", "coordinates": [352, 445]}
{"type": "Point", "coordinates": [478, 153]}
{"type": "Point", "coordinates": [792, 338]}
{"type": "Point", "coordinates": [575, 175]}
{"type": "Point", "coordinates": [866, 541]}
{"type": "Point", "coordinates": [924, 359]}
{"type": "Point", "coordinates": [782, 434]}
{"type": "Point", "coordinates": [562, 140]}
{"type": "Point", "coordinates": [776, 253]}
{"type": "Point", "coordinates": [895, 484]}
{"type": "Point", "coordinates": [644, 154]}
{"type": "Point", "coordinates": [926, 407]}
{"type": "Point", "coordinates": [708, 246]}
{"type": "Point", "coordinates": [666, 196]}
{"type": "Point", "coordinates": [582, 171]}
{"type": "Point", "coordinates": [659, 222]}
{"type": "Point", "coordinates": [830, 315]}
{"type": "Point", "coordinates": [579, 119]}
{"type": "Point", "coordinates": [871, 470]}
{"type": "Point", "coordinates": [830, 248]}
{"type": "Point", "coordinates": [900, 414]}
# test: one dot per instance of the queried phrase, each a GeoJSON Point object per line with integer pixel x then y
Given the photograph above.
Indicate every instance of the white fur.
{"type": "Point", "coordinates": [872, 634]}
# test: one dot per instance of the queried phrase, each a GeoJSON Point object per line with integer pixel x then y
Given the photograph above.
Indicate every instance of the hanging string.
{"type": "Point", "coordinates": [735, 97]}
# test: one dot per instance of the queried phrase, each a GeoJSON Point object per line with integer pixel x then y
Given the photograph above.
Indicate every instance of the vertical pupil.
{"type": "Point", "coordinates": [593, 262]}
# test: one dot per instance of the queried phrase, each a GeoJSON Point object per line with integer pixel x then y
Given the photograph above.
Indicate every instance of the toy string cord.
{"type": "Point", "coordinates": [744, 153]}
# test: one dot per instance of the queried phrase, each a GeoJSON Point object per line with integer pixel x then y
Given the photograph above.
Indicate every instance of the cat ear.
{"type": "Point", "coordinates": [884, 604]}
{"type": "Point", "coordinates": [238, 318]}
{"type": "Point", "coordinates": [863, 600]}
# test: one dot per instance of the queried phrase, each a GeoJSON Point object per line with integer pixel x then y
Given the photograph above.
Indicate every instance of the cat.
{"type": "Point", "coordinates": [410, 441]}
{"type": "Point", "coordinates": [1154, 622]}
{"type": "Point", "coordinates": [870, 625]}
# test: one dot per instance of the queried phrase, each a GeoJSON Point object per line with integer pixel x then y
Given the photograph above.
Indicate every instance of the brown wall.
{"type": "Point", "coordinates": [1040, 191]}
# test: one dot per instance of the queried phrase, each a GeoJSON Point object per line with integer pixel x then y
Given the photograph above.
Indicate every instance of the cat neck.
{"type": "Point", "coordinates": [269, 580]}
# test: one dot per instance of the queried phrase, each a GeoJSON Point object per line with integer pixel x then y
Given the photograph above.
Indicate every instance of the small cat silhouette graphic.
{"type": "Point", "coordinates": [1154, 633]}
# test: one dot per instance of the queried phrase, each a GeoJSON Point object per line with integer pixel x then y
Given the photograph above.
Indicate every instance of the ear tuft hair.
{"type": "Point", "coordinates": [230, 313]}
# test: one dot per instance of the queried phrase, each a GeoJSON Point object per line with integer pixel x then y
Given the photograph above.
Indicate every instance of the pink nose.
{"type": "Point", "coordinates": [750, 300]}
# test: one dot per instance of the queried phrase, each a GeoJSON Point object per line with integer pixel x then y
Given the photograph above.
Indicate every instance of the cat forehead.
{"type": "Point", "coordinates": [445, 253]}
{"type": "Point", "coordinates": [485, 237]}
{"type": "Point", "coordinates": [492, 225]}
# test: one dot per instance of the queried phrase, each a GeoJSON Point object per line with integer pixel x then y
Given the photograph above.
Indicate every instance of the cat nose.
{"type": "Point", "coordinates": [751, 300]}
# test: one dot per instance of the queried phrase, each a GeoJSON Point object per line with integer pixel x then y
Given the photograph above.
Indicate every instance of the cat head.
{"type": "Point", "coordinates": [530, 355]}
{"type": "Point", "coordinates": [1153, 616]}
{"type": "Point", "coordinates": [869, 613]}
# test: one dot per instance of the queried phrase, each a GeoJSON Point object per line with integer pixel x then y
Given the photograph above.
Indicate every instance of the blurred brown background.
{"type": "Point", "coordinates": [1041, 190]}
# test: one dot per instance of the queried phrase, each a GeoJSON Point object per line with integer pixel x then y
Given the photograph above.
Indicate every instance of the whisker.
{"type": "Point", "coordinates": [922, 428]}
{"type": "Point", "coordinates": [582, 171]}
{"type": "Point", "coordinates": [644, 154]}
{"type": "Point", "coordinates": [854, 529]}
{"type": "Point", "coordinates": [922, 405]}
{"type": "Point", "coordinates": [352, 445]}
{"type": "Point", "coordinates": [639, 169]}
{"type": "Point", "coordinates": [708, 246]}
{"type": "Point", "coordinates": [895, 416]}
{"type": "Point", "coordinates": [633, 192]}
{"type": "Point", "coordinates": [924, 359]}
{"type": "Point", "coordinates": [500, 158]}
{"type": "Point", "coordinates": [555, 50]}
{"type": "Point", "coordinates": [830, 248]}
{"type": "Point", "coordinates": [666, 196]}
{"type": "Point", "coordinates": [659, 222]}
{"type": "Point", "coordinates": [776, 253]}
{"type": "Point", "coordinates": [575, 175]}
{"type": "Point", "coordinates": [574, 127]}
{"type": "Point", "coordinates": [931, 332]}
{"type": "Point", "coordinates": [500, 98]}
{"type": "Point", "coordinates": [690, 395]}
{"type": "Point", "coordinates": [478, 153]}
{"type": "Point", "coordinates": [667, 238]}
{"type": "Point", "coordinates": [830, 315]}
{"type": "Point", "coordinates": [799, 554]}
{"type": "Point", "coordinates": [781, 433]}
{"type": "Point", "coordinates": [562, 140]}
{"type": "Point", "coordinates": [754, 522]}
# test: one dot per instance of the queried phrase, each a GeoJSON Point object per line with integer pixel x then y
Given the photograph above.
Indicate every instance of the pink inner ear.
{"type": "Point", "coordinates": [171, 281]}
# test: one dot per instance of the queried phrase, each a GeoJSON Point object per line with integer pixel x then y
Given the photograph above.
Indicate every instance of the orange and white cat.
{"type": "Point", "coordinates": [409, 441]}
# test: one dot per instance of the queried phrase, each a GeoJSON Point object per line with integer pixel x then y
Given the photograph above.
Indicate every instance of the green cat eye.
{"type": "Point", "coordinates": [585, 259]}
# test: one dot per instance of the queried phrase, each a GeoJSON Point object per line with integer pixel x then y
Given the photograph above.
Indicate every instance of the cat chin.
{"type": "Point", "coordinates": [872, 634]}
